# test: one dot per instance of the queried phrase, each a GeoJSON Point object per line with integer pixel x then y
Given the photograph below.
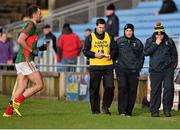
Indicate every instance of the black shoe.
{"type": "Point", "coordinates": [96, 112]}
{"type": "Point", "coordinates": [167, 114]}
{"type": "Point", "coordinates": [128, 115]}
{"type": "Point", "coordinates": [105, 110]}
{"type": "Point", "coordinates": [154, 114]}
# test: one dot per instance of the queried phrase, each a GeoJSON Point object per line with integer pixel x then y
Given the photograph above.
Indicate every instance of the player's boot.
{"type": "Point", "coordinates": [9, 111]}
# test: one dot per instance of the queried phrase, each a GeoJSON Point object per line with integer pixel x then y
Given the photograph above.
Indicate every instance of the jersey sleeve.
{"type": "Point", "coordinates": [28, 28]}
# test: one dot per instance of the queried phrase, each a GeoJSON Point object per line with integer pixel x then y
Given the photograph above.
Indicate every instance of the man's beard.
{"type": "Point", "coordinates": [38, 21]}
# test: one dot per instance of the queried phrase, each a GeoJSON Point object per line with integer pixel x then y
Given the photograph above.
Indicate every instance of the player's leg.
{"type": "Point", "coordinates": [38, 84]}
{"type": "Point", "coordinates": [32, 74]}
{"type": "Point", "coordinates": [18, 97]}
{"type": "Point", "coordinates": [22, 84]}
{"type": "Point", "coordinates": [36, 79]}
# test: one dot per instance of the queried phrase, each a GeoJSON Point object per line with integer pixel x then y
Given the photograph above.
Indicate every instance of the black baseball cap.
{"type": "Point", "coordinates": [46, 26]}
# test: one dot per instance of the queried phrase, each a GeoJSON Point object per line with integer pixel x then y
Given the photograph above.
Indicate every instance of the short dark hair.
{"type": "Point", "coordinates": [88, 29]}
{"type": "Point", "coordinates": [46, 26]}
{"type": "Point", "coordinates": [111, 7]}
{"type": "Point", "coordinates": [32, 9]}
{"type": "Point", "coordinates": [100, 21]}
{"type": "Point", "coordinates": [1, 31]}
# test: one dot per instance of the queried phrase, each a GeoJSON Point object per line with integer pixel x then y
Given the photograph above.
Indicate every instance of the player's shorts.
{"type": "Point", "coordinates": [26, 68]}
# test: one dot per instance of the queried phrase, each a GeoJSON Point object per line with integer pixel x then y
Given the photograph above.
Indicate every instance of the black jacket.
{"type": "Point", "coordinates": [90, 54]}
{"type": "Point", "coordinates": [130, 54]}
{"type": "Point", "coordinates": [162, 56]}
{"type": "Point", "coordinates": [112, 26]}
{"type": "Point", "coordinates": [51, 36]}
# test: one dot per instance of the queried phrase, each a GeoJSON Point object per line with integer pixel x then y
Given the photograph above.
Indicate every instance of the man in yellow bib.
{"type": "Point", "coordinates": [99, 47]}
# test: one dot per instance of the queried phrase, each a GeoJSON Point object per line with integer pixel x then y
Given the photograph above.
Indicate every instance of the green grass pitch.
{"type": "Point", "coordinates": [44, 113]}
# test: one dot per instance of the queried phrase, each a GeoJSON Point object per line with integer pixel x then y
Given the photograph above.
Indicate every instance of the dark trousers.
{"type": "Point", "coordinates": [108, 84]}
{"type": "Point", "coordinates": [163, 79]}
{"type": "Point", "coordinates": [127, 91]}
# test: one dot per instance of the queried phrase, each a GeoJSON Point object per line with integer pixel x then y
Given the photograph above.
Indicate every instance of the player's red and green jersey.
{"type": "Point", "coordinates": [30, 30]}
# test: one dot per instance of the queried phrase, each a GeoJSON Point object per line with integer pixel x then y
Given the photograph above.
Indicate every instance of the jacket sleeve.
{"type": "Point", "coordinates": [10, 51]}
{"type": "Point", "coordinates": [113, 49]}
{"type": "Point", "coordinates": [139, 52]}
{"type": "Point", "coordinates": [54, 44]}
{"type": "Point", "coordinates": [87, 48]}
{"type": "Point", "coordinates": [115, 26]}
{"type": "Point", "coordinates": [112, 26]}
{"type": "Point", "coordinates": [59, 46]}
{"type": "Point", "coordinates": [174, 54]}
{"type": "Point", "coordinates": [150, 47]}
{"type": "Point", "coordinates": [141, 56]}
{"type": "Point", "coordinates": [79, 44]}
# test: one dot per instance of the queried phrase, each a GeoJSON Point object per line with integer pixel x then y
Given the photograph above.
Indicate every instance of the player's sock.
{"type": "Point", "coordinates": [17, 102]}
{"type": "Point", "coordinates": [19, 99]}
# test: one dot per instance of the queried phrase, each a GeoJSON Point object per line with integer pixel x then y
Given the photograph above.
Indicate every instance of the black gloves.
{"type": "Point", "coordinates": [41, 48]}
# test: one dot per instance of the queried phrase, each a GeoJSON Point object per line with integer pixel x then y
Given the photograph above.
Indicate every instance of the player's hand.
{"type": "Point", "coordinates": [43, 47]}
{"type": "Point", "coordinates": [99, 55]}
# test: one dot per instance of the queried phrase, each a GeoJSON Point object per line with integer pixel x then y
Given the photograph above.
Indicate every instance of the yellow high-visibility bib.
{"type": "Point", "coordinates": [102, 46]}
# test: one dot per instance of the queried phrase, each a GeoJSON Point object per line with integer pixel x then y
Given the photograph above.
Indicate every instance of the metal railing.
{"type": "Point", "coordinates": [62, 13]}
{"type": "Point", "coordinates": [73, 68]}
{"type": "Point", "coordinates": [47, 61]}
